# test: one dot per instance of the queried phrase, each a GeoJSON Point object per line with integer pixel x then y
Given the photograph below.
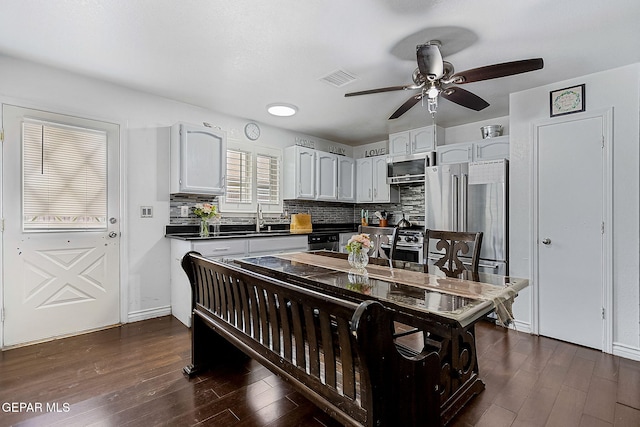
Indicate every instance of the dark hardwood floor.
{"type": "Point", "coordinates": [132, 376]}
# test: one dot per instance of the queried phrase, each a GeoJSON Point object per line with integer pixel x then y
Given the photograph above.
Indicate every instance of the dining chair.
{"type": "Point", "coordinates": [455, 244]}
{"type": "Point", "coordinates": [381, 236]}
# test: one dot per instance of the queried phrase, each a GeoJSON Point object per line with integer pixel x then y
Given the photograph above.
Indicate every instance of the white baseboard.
{"type": "Point", "coordinates": [524, 327]}
{"type": "Point", "coordinates": [150, 313]}
{"type": "Point", "coordinates": [626, 351]}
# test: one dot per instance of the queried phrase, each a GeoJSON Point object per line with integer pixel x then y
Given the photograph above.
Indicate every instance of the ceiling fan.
{"type": "Point", "coordinates": [436, 77]}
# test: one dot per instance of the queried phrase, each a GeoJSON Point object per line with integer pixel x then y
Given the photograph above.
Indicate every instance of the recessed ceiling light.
{"type": "Point", "coordinates": [282, 110]}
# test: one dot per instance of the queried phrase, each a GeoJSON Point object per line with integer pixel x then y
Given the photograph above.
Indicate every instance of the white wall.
{"type": "Point", "coordinates": [620, 89]}
{"type": "Point", "coordinates": [471, 131]}
{"type": "Point", "coordinates": [147, 119]}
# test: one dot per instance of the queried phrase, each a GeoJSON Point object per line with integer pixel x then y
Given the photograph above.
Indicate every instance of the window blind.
{"type": "Point", "coordinates": [64, 177]}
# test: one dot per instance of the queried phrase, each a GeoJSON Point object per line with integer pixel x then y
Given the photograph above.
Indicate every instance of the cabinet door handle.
{"type": "Point", "coordinates": [224, 182]}
{"type": "Point", "coordinates": [369, 192]}
{"type": "Point", "coordinates": [221, 249]}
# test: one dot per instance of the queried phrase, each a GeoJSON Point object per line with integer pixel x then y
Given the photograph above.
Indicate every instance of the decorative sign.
{"type": "Point", "coordinates": [307, 143]}
{"type": "Point", "coordinates": [376, 152]}
{"type": "Point", "coordinates": [337, 150]}
{"type": "Point", "coordinates": [568, 100]}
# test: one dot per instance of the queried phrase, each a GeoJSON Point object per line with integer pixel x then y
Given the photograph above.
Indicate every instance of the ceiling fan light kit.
{"type": "Point", "coordinates": [435, 77]}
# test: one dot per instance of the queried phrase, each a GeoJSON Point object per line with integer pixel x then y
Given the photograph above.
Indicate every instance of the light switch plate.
{"type": "Point", "coordinates": [146, 212]}
{"type": "Point", "coordinates": [184, 211]}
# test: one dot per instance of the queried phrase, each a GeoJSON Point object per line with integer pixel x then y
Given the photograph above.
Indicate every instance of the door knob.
{"type": "Point", "coordinates": [546, 241]}
{"type": "Point", "coordinates": [113, 234]}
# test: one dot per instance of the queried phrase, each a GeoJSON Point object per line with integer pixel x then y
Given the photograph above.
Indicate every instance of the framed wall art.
{"type": "Point", "coordinates": [568, 100]}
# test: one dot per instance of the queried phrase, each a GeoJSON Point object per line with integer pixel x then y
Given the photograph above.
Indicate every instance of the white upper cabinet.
{"type": "Point", "coordinates": [326, 176]}
{"type": "Point", "coordinates": [399, 143]}
{"type": "Point", "coordinates": [486, 149]}
{"type": "Point", "coordinates": [372, 184]}
{"type": "Point", "coordinates": [491, 148]}
{"type": "Point", "coordinates": [414, 141]}
{"type": "Point", "coordinates": [198, 160]}
{"type": "Point", "coordinates": [454, 153]}
{"type": "Point", "coordinates": [317, 175]}
{"type": "Point", "coordinates": [299, 173]}
{"type": "Point", "coordinates": [346, 179]}
{"type": "Point", "coordinates": [364, 185]}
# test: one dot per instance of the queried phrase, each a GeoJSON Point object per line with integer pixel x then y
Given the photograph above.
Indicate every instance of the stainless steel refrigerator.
{"type": "Point", "coordinates": [471, 197]}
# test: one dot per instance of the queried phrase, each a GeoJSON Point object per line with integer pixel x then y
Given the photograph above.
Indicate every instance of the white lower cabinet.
{"type": "Point", "coordinates": [219, 249]}
{"type": "Point", "coordinates": [276, 245]}
{"type": "Point", "coordinates": [180, 287]}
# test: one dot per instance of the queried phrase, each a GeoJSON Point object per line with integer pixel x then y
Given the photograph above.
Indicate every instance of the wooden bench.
{"type": "Point", "coordinates": [339, 354]}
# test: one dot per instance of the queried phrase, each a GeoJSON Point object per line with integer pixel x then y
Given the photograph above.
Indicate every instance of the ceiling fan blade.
{"type": "Point", "coordinates": [464, 98]}
{"type": "Point", "coordinates": [406, 106]}
{"type": "Point", "coordinates": [430, 61]}
{"type": "Point", "coordinates": [497, 70]}
{"type": "Point", "coordinates": [382, 89]}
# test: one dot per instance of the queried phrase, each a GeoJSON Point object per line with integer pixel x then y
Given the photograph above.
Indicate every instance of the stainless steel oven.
{"type": "Point", "coordinates": [410, 246]}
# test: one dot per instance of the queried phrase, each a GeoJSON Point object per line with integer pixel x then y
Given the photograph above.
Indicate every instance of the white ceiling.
{"type": "Point", "coordinates": [238, 56]}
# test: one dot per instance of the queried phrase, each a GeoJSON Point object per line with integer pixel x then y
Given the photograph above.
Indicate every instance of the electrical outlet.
{"type": "Point", "coordinates": [184, 211]}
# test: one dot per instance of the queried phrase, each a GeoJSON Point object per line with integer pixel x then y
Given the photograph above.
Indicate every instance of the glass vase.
{"type": "Point", "coordinates": [358, 260]}
{"type": "Point", "coordinates": [204, 227]}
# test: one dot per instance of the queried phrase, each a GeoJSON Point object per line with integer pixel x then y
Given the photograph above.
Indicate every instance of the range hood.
{"type": "Point", "coordinates": [409, 169]}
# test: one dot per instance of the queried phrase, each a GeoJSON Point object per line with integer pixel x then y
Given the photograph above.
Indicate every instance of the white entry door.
{"type": "Point", "coordinates": [570, 240]}
{"type": "Point", "coordinates": [60, 189]}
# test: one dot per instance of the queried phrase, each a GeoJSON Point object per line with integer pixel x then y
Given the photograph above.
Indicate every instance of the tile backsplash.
{"type": "Point", "coordinates": [411, 203]}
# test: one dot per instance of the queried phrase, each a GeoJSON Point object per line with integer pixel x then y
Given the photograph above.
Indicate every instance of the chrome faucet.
{"type": "Point", "coordinates": [259, 219]}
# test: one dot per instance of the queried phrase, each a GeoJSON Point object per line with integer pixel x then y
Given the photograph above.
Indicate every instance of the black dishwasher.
{"type": "Point", "coordinates": [324, 240]}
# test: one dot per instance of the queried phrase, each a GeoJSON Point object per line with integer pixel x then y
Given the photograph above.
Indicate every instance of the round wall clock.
{"type": "Point", "coordinates": [252, 131]}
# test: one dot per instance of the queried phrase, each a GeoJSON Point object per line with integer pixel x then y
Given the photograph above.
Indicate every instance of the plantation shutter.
{"type": "Point", "coordinates": [268, 179]}
{"type": "Point", "coordinates": [64, 175]}
{"type": "Point", "coordinates": [239, 174]}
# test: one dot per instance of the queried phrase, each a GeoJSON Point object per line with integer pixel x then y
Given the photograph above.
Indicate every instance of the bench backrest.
{"type": "Point", "coordinates": [341, 353]}
{"type": "Point", "coordinates": [306, 334]}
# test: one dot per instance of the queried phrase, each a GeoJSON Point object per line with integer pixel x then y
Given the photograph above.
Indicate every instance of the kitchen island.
{"type": "Point", "coordinates": [419, 295]}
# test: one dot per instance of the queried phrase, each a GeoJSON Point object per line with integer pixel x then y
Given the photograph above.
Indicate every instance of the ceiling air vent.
{"type": "Point", "coordinates": [339, 78]}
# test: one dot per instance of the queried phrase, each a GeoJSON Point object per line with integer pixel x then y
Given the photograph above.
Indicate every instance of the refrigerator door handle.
{"type": "Point", "coordinates": [454, 202]}
{"type": "Point", "coordinates": [463, 202]}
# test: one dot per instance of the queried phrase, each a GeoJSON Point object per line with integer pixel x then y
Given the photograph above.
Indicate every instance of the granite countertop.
{"type": "Point", "coordinates": [190, 232]}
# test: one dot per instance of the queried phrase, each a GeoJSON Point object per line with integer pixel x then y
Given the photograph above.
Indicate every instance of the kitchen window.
{"type": "Point", "coordinates": [268, 179]}
{"type": "Point", "coordinates": [239, 174]}
{"type": "Point", "coordinates": [253, 176]}
{"type": "Point", "coordinates": [64, 177]}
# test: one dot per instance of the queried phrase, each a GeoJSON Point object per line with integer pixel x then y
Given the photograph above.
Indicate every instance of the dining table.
{"type": "Point", "coordinates": [433, 312]}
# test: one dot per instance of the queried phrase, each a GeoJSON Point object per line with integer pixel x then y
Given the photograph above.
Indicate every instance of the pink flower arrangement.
{"type": "Point", "coordinates": [205, 210]}
{"type": "Point", "coordinates": [357, 242]}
